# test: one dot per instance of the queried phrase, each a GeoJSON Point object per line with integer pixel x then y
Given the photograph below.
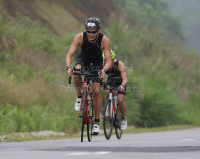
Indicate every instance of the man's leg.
{"type": "Point", "coordinates": [97, 107]}
{"type": "Point", "coordinates": [97, 99]}
{"type": "Point", "coordinates": [122, 105]}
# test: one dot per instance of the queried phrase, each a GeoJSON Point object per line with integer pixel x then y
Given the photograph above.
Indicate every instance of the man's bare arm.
{"type": "Point", "coordinates": [107, 53]}
{"type": "Point", "coordinates": [122, 70]}
{"type": "Point", "coordinates": [74, 45]}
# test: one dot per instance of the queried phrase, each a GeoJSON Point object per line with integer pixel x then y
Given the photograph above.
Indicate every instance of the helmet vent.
{"type": "Point", "coordinates": [91, 24]}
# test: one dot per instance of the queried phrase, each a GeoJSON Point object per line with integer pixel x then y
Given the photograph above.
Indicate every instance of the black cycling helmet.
{"type": "Point", "coordinates": [93, 23]}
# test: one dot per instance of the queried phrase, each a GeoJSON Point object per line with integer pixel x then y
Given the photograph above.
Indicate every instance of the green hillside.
{"type": "Point", "coordinates": [163, 86]}
{"type": "Point", "coordinates": [153, 14]}
{"type": "Point", "coordinates": [188, 11]}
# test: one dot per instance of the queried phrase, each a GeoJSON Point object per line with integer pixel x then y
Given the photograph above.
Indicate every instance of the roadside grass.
{"type": "Point", "coordinates": [164, 128]}
{"type": "Point", "coordinates": [38, 118]}
{"type": "Point", "coordinates": [11, 138]}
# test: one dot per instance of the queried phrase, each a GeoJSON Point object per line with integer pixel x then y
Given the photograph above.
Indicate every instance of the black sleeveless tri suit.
{"type": "Point", "coordinates": [114, 76]}
{"type": "Point", "coordinates": [91, 53]}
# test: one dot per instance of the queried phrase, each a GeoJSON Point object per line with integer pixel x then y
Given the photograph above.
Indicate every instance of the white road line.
{"type": "Point", "coordinates": [79, 153]}
{"type": "Point", "coordinates": [87, 153]}
{"type": "Point", "coordinates": [102, 153]}
{"type": "Point", "coordinates": [188, 139]}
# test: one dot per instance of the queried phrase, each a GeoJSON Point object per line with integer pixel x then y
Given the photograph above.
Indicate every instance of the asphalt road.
{"type": "Point", "coordinates": [175, 144]}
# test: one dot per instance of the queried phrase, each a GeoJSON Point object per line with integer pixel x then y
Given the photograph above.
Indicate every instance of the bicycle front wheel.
{"type": "Point", "coordinates": [89, 130]}
{"type": "Point", "coordinates": [107, 120]}
{"type": "Point", "coordinates": [117, 123]}
{"type": "Point", "coordinates": [90, 126]}
{"type": "Point", "coordinates": [83, 115]}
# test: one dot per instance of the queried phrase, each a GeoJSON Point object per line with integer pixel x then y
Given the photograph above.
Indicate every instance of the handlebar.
{"type": "Point", "coordinates": [111, 88]}
{"type": "Point", "coordinates": [83, 73]}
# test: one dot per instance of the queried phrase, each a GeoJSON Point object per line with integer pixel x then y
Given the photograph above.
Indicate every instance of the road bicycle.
{"type": "Point", "coordinates": [112, 115]}
{"type": "Point", "coordinates": [86, 108]}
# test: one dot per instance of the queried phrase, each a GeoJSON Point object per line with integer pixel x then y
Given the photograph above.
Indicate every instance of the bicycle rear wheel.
{"type": "Point", "coordinates": [83, 115]}
{"type": "Point", "coordinates": [117, 123]}
{"type": "Point", "coordinates": [107, 121]}
{"type": "Point", "coordinates": [90, 126]}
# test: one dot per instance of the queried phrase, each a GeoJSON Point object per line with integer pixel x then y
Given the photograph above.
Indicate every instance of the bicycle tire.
{"type": "Point", "coordinates": [90, 126]}
{"type": "Point", "coordinates": [107, 121]}
{"type": "Point", "coordinates": [117, 124]}
{"type": "Point", "coordinates": [89, 130]}
{"type": "Point", "coordinates": [83, 115]}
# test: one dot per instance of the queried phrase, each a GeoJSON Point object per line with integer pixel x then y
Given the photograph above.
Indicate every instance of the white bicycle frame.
{"type": "Point", "coordinates": [112, 99]}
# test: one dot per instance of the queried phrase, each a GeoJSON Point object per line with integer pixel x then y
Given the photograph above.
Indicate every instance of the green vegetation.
{"type": "Point", "coordinates": [37, 118]}
{"type": "Point", "coordinates": [166, 128]}
{"type": "Point", "coordinates": [153, 13]}
{"type": "Point", "coordinates": [188, 11]}
{"type": "Point", "coordinates": [163, 86]}
{"type": "Point", "coordinates": [63, 25]}
{"type": "Point", "coordinates": [33, 79]}
{"type": "Point", "coordinates": [179, 18]}
{"type": "Point", "coordinates": [167, 78]}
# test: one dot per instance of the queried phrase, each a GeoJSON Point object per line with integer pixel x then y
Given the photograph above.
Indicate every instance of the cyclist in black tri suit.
{"type": "Point", "coordinates": [117, 76]}
{"type": "Point", "coordinates": [92, 42]}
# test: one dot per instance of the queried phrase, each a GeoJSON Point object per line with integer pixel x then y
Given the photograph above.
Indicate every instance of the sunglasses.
{"type": "Point", "coordinates": [91, 32]}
